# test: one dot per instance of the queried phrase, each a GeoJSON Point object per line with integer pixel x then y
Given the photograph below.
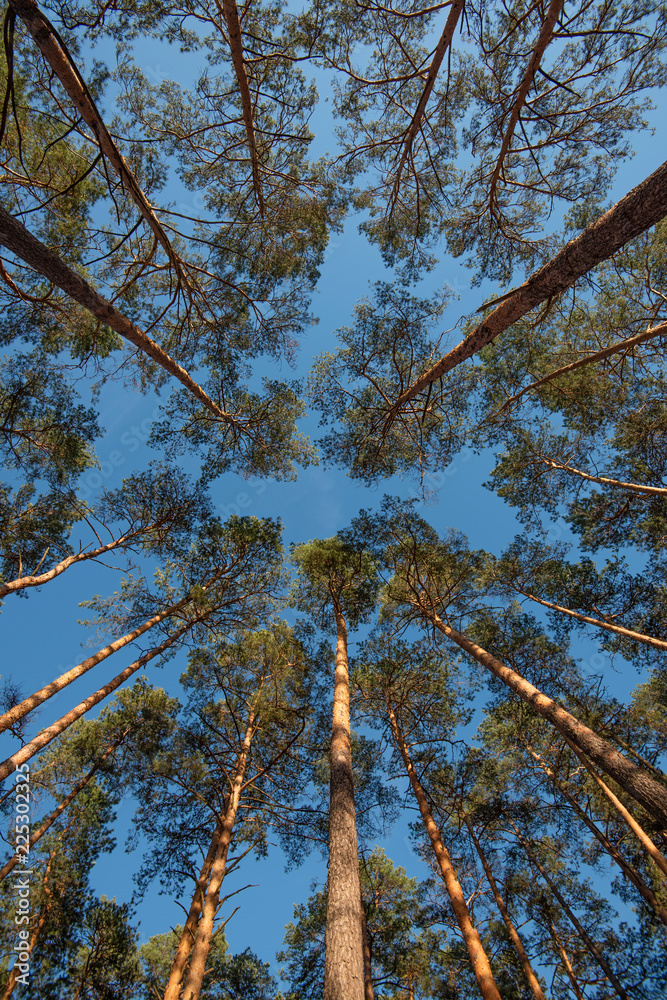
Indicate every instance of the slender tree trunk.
{"type": "Point", "coordinates": [638, 831]}
{"type": "Point", "coordinates": [640, 209]}
{"type": "Point", "coordinates": [60, 61]}
{"type": "Point", "coordinates": [606, 352]}
{"type": "Point", "coordinates": [627, 633]}
{"type": "Point", "coordinates": [413, 128]}
{"type": "Point", "coordinates": [590, 944]}
{"type": "Point", "coordinates": [173, 989]}
{"type": "Point", "coordinates": [47, 735]}
{"type": "Point", "coordinates": [368, 968]}
{"type": "Point", "coordinates": [565, 960]}
{"type": "Point", "coordinates": [49, 690]}
{"type": "Point", "coordinates": [641, 786]}
{"type": "Point", "coordinates": [60, 809]}
{"type": "Point", "coordinates": [29, 249]}
{"type": "Point", "coordinates": [22, 582]}
{"type": "Point", "coordinates": [202, 943]}
{"type": "Point", "coordinates": [343, 946]}
{"type": "Point", "coordinates": [533, 981]}
{"type": "Point", "coordinates": [546, 34]}
{"type": "Point", "coordinates": [630, 873]}
{"type": "Point", "coordinates": [478, 957]}
{"type": "Point", "coordinates": [653, 491]}
{"type": "Point", "coordinates": [229, 12]}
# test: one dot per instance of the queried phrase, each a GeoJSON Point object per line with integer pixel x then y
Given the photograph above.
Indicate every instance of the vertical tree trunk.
{"type": "Point", "coordinates": [202, 943]}
{"type": "Point", "coordinates": [343, 947]}
{"type": "Point", "coordinates": [641, 786]}
{"type": "Point", "coordinates": [188, 936]}
{"type": "Point", "coordinates": [47, 735]}
{"type": "Point", "coordinates": [368, 968]}
{"type": "Point", "coordinates": [533, 981]}
{"type": "Point", "coordinates": [588, 941]}
{"type": "Point", "coordinates": [478, 957]}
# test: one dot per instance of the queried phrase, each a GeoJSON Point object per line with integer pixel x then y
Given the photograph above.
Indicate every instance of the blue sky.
{"type": "Point", "coordinates": [40, 635]}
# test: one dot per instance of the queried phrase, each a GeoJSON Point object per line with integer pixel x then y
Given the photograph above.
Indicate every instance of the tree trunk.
{"type": "Point", "coordinates": [565, 959]}
{"type": "Point", "coordinates": [533, 981]}
{"type": "Point", "coordinates": [61, 63]}
{"type": "Point", "coordinates": [39, 697]}
{"type": "Point", "coordinates": [630, 873]}
{"type": "Point", "coordinates": [343, 946]}
{"type": "Point", "coordinates": [60, 809]}
{"type": "Point", "coordinates": [642, 787]}
{"type": "Point", "coordinates": [16, 238]}
{"type": "Point", "coordinates": [590, 944]}
{"type": "Point", "coordinates": [12, 586]}
{"type": "Point", "coordinates": [173, 989]}
{"type": "Point", "coordinates": [47, 735]}
{"type": "Point", "coordinates": [627, 633]}
{"type": "Point", "coordinates": [478, 957]}
{"type": "Point", "coordinates": [590, 359]}
{"type": "Point", "coordinates": [640, 209]}
{"type": "Point", "coordinates": [202, 943]}
{"type": "Point", "coordinates": [368, 968]}
{"type": "Point", "coordinates": [638, 831]}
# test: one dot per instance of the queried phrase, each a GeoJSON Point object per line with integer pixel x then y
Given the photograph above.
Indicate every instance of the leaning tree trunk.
{"type": "Point", "coordinates": [478, 957]}
{"type": "Point", "coordinates": [202, 943]}
{"type": "Point", "coordinates": [639, 832]}
{"type": "Point", "coordinates": [49, 690]}
{"type": "Point", "coordinates": [343, 945]}
{"type": "Point", "coordinates": [529, 973]}
{"type": "Point", "coordinates": [641, 786]}
{"type": "Point", "coordinates": [585, 937]}
{"type": "Point", "coordinates": [630, 873]}
{"type": "Point", "coordinates": [173, 989]}
{"type": "Point", "coordinates": [47, 735]}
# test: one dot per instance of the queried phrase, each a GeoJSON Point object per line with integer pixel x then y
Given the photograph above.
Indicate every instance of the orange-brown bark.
{"type": "Point", "coordinates": [478, 957]}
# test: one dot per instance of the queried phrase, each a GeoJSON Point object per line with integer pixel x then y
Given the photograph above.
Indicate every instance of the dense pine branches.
{"type": "Point", "coordinates": [165, 236]}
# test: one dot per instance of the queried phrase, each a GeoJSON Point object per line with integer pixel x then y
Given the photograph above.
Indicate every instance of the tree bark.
{"type": "Point", "coordinates": [641, 835]}
{"type": "Point", "coordinates": [47, 735]}
{"type": "Point", "coordinates": [439, 54]}
{"type": "Point", "coordinates": [202, 943]}
{"type": "Point", "coordinates": [368, 968]}
{"type": "Point", "coordinates": [532, 979]}
{"type": "Point", "coordinates": [641, 786]}
{"type": "Point", "coordinates": [28, 248]}
{"type": "Point", "coordinates": [627, 633]}
{"type": "Point", "coordinates": [60, 61]}
{"type": "Point", "coordinates": [39, 697]}
{"type": "Point", "coordinates": [641, 208]}
{"type": "Point", "coordinates": [173, 989]}
{"type": "Point", "coordinates": [343, 946]}
{"type": "Point", "coordinates": [545, 36]}
{"type": "Point", "coordinates": [565, 959]}
{"type": "Point", "coordinates": [630, 873]}
{"type": "Point", "coordinates": [230, 12]}
{"type": "Point", "coordinates": [478, 958]}
{"type": "Point", "coordinates": [653, 491]}
{"type": "Point", "coordinates": [11, 586]}
{"type": "Point", "coordinates": [590, 944]}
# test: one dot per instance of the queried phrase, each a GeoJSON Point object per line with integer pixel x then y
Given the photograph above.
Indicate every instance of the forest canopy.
{"type": "Point", "coordinates": [401, 576]}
